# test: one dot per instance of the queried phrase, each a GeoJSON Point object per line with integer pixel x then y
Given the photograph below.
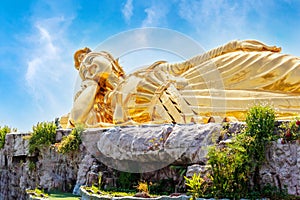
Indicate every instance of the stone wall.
{"type": "Point", "coordinates": [48, 169]}
{"type": "Point", "coordinates": [282, 167]}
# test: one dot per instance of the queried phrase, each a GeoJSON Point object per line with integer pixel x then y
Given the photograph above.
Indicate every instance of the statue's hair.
{"type": "Point", "coordinates": [76, 55]}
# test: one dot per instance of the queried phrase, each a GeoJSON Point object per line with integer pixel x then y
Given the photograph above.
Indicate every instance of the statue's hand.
{"type": "Point", "coordinates": [257, 46]}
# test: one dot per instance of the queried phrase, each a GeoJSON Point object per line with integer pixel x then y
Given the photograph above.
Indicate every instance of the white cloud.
{"type": "Point", "coordinates": [49, 75]}
{"type": "Point", "coordinates": [128, 10]}
{"type": "Point", "coordinates": [156, 15]}
{"type": "Point", "coordinates": [217, 21]}
{"type": "Point", "coordinates": [44, 52]}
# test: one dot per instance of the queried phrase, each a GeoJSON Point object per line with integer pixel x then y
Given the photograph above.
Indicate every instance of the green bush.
{"type": "Point", "coordinates": [3, 132]}
{"type": "Point", "coordinates": [234, 164]}
{"type": "Point", "coordinates": [260, 122]}
{"type": "Point", "coordinates": [231, 167]}
{"type": "Point", "coordinates": [44, 134]}
{"type": "Point", "coordinates": [72, 141]}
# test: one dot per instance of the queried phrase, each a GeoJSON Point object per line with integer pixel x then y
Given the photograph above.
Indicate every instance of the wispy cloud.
{"type": "Point", "coordinates": [49, 65]}
{"type": "Point", "coordinates": [156, 14]}
{"type": "Point", "coordinates": [227, 20]}
{"type": "Point", "coordinates": [46, 52]}
{"type": "Point", "coordinates": [220, 18]}
{"type": "Point", "coordinates": [128, 10]}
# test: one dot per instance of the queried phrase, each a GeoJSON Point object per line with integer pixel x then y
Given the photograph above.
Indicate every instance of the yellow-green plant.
{"type": "Point", "coordinates": [95, 190]}
{"type": "Point", "coordinates": [197, 186]}
{"type": "Point", "coordinates": [37, 193]}
{"type": "Point", "coordinates": [143, 187]}
{"type": "Point", "coordinates": [3, 131]}
{"type": "Point", "coordinates": [72, 141]}
{"type": "Point", "coordinates": [44, 134]}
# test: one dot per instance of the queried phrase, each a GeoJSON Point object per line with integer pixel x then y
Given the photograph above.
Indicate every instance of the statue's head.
{"type": "Point", "coordinates": [116, 68]}
{"type": "Point", "coordinates": [79, 56]}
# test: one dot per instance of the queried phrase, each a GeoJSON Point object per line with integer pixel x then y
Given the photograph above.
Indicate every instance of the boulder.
{"type": "Point", "coordinates": [151, 147]}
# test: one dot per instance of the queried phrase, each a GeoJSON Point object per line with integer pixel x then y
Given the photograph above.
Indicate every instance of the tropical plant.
{"type": "Point", "coordinates": [198, 186]}
{"type": "Point", "coordinates": [44, 134]}
{"type": "Point", "coordinates": [72, 141]}
{"type": "Point", "coordinates": [143, 187]}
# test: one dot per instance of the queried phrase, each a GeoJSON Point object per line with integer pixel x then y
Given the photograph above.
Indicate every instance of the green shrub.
{"type": "Point", "coordinates": [260, 122]}
{"type": "Point", "coordinates": [234, 164]}
{"type": "Point", "coordinates": [230, 167]}
{"type": "Point", "coordinates": [3, 132]}
{"type": "Point", "coordinates": [44, 134]}
{"type": "Point", "coordinates": [72, 141]}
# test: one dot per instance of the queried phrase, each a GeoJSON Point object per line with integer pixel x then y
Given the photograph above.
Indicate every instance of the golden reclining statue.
{"type": "Point", "coordinates": [224, 81]}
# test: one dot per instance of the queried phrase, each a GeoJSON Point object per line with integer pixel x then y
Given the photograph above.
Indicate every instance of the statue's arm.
{"type": "Point", "coordinates": [84, 101]}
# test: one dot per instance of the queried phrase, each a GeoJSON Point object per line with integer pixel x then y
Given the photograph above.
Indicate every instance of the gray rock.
{"type": "Point", "coordinates": [152, 147]}
{"type": "Point", "coordinates": [197, 169]}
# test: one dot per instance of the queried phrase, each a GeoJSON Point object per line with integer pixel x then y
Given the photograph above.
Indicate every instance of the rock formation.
{"type": "Point", "coordinates": [48, 169]}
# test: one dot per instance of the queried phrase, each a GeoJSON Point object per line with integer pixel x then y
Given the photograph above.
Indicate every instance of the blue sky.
{"type": "Point", "coordinates": [38, 39]}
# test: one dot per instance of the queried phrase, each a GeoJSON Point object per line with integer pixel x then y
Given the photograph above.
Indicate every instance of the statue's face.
{"type": "Point", "coordinates": [95, 67]}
